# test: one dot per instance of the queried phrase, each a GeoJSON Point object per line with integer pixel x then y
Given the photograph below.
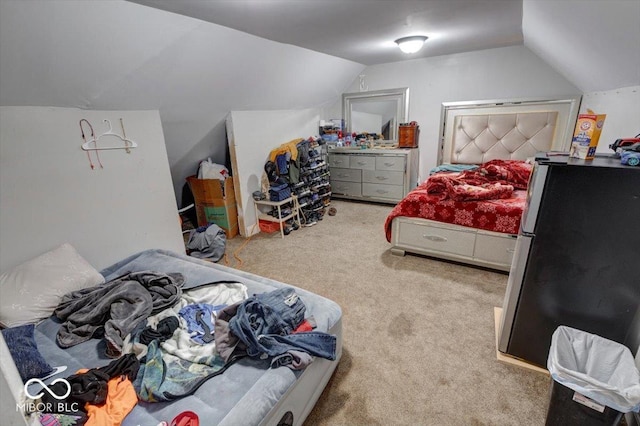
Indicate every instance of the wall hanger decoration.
{"type": "Point", "coordinates": [117, 141]}
{"type": "Point", "coordinates": [93, 137]}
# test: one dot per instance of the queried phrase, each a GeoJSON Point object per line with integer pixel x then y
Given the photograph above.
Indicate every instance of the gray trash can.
{"type": "Point", "coordinates": [595, 380]}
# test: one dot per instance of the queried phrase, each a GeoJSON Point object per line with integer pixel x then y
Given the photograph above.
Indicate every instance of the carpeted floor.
{"type": "Point", "coordinates": [419, 339]}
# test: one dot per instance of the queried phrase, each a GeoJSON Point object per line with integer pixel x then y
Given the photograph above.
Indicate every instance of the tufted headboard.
{"type": "Point", "coordinates": [473, 132]}
{"type": "Point", "coordinates": [517, 136]}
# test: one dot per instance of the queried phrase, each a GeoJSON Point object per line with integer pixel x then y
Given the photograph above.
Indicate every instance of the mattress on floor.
{"type": "Point", "coordinates": [249, 392]}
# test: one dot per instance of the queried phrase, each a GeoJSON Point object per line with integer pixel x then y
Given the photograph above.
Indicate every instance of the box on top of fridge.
{"type": "Point", "coordinates": [586, 135]}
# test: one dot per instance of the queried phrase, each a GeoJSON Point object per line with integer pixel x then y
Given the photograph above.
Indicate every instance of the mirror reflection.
{"type": "Point", "coordinates": [376, 112]}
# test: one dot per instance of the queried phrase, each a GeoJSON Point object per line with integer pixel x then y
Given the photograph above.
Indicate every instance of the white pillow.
{"type": "Point", "coordinates": [31, 291]}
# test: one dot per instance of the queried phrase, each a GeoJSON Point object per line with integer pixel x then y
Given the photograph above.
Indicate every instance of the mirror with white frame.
{"type": "Point", "coordinates": [378, 112]}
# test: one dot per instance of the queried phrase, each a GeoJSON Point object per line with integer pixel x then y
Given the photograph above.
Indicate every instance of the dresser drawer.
{"type": "Point", "coordinates": [377, 190]}
{"type": "Point", "coordinates": [364, 162]}
{"type": "Point", "coordinates": [338, 160]}
{"type": "Point", "coordinates": [346, 175]}
{"type": "Point", "coordinates": [390, 163]}
{"type": "Point", "coordinates": [346, 188]}
{"type": "Point", "coordinates": [439, 239]}
{"type": "Point", "coordinates": [494, 248]}
{"type": "Point", "coordinates": [381, 176]}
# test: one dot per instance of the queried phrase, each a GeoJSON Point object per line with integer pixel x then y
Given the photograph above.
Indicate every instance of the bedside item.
{"type": "Point", "coordinates": [408, 134]}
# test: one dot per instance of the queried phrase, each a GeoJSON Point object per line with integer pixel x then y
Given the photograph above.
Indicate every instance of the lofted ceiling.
{"type": "Point", "coordinates": [595, 44]}
{"type": "Point", "coordinates": [196, 60]}
{"type": "Point", "coordinates": [364, 31]}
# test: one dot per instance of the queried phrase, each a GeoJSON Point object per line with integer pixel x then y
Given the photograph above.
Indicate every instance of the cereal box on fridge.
{"type": "Point", "coordinates": [586, 135]}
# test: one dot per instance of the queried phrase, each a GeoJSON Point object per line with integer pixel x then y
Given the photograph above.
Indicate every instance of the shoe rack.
{"type": "Point", "coordinates": [313, 191]}
{"type": "Point", "coordinates": [280, 211]}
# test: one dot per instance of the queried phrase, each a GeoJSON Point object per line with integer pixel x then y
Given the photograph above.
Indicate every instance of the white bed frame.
{"type": "Point", "coordinates": [473, 133]}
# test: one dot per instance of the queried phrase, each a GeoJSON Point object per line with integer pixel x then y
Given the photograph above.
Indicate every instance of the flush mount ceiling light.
{"type": "Point", "coordinates": [411, 44]}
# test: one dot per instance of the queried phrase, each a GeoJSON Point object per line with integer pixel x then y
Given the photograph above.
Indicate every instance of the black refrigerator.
{"type": "Point", "coordinates": [577, 257]}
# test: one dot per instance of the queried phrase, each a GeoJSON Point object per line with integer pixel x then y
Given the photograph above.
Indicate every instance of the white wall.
{"type": "Point", "coordinates": [505, 73]}
{"type": "Point", "coordinates": [622, 107]}
{"type": "Point", "coordinates": [49, 195]}
{"type": "Point", "coordinates": [252, 136]}
{"type": "Point", "coordinates": [120, 55]}
{"type": "Point", "coordinates": [594, 44]}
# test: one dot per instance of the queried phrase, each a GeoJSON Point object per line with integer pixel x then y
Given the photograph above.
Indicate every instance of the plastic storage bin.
{"type": "Point", "coordinates": [595, 380]}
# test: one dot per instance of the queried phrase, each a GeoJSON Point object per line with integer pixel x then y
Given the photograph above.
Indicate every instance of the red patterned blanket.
{"type": "Point", "coordinates": [490, 197]}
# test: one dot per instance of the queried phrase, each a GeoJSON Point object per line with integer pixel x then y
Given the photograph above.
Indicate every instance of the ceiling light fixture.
{"type": "Point", "coordinates": [411, 44]}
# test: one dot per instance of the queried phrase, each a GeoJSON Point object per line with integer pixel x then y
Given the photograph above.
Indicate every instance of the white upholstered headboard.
{"type": "Point", "coordinates": [517, 136]}
{"type": "Point", "coordinates": [473, 133]}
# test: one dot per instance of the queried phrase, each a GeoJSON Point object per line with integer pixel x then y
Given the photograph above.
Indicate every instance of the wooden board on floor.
{"type": "Point", "coordinates": [497, 315]}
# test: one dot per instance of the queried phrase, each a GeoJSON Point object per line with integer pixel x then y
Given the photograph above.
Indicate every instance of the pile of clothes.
{"type": "Point", "coordinates": [167, 340]}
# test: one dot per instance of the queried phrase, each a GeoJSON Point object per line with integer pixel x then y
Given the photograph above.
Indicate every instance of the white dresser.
{"type": "Point", "coordinates": [381, 175]}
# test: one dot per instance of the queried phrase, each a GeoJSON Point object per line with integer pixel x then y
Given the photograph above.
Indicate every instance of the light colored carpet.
{"type": "Point", "coordinates": [419, 339]}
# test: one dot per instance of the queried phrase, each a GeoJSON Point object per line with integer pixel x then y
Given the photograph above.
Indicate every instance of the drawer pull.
{"type": "Point", "coordinates": [435, 238]}
{"type": "Point", "coordinates": [389, 164]}
{"type": "Point", "coordinates": [382, 177]}
{"type": "Point", "coordinates": [510, 250]}
{"type": "Point", "coordinates": [381, 191]}
{"type": "Point", "coordinates": [361, 163]}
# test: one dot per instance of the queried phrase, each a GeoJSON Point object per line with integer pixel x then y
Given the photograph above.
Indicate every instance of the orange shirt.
{"type": "Point", "coordinates": [121, 398]}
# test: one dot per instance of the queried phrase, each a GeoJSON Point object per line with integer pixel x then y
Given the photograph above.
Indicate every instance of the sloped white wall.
{"type": "Point", "coordinates": [622, 107]}
{"type": "Point", "coordinates": [121, 55]}
{"type": "Point", "coordinates": [505, 73]}
{"type": "Point", "coordinates": [253, 135]}
{"type": "Point", "coordinates": [49, 194]}
{"type": "Point", "coordinates": [594, 44]}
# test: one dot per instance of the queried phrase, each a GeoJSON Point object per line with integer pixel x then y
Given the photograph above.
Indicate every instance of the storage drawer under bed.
{"type": "Point", "coordinates": [437, 238]}
{"type": "Point", "coordinates": [453, 242]}
{"type": "Point", "coordinates": [493, 248]}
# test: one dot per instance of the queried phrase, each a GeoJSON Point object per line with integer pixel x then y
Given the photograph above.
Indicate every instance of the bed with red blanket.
{"type": "Point", "coordinates": [473, 216]}
{"type": "Point", "coordinates": [491, 197]}
{"type": "Point", "coordinates": [470, 216]}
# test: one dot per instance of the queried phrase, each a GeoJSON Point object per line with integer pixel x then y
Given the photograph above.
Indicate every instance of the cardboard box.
{"type": "Point", "coordinates": [222, 213]}
{"type": "Point", "coordinates": [586, 135]}
{"type": "Point", "coordinates": [210, 190]}
{"type": "Point", "coordinates": [215, 203]}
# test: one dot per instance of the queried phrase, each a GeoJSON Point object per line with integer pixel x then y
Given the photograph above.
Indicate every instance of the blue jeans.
{"type": "Point", "coordinates": [264, 323]}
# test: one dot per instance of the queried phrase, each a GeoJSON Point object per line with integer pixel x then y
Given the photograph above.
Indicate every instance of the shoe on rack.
{"type": "Point", "coordinates": [310, 221]}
